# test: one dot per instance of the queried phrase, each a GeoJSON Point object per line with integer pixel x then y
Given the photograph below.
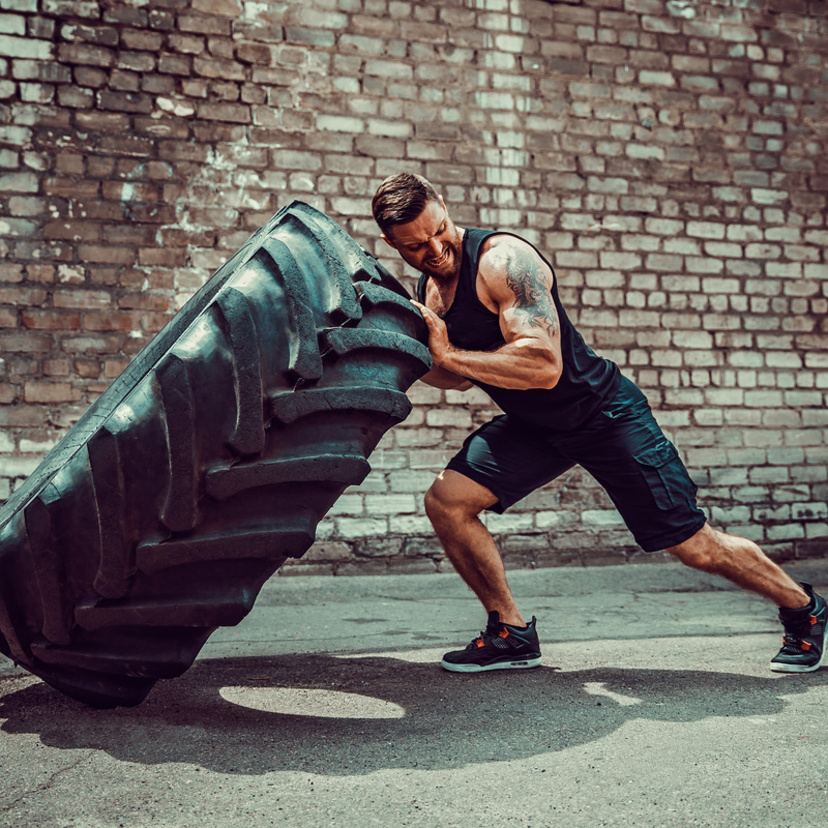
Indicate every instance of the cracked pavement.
{"type": "Point", "coordinates": [326, 706]}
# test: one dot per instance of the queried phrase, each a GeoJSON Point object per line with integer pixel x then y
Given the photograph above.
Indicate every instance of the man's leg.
{"type": "Point", "coordinates": [742, 562]}
{"type": "Point", "coordinates": [453, 505]}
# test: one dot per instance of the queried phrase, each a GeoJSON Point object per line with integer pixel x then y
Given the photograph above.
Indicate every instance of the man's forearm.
{"type": "Point", "coordinates": [441, 378]}
{"type": "Point", "coordinates": [518, 365]}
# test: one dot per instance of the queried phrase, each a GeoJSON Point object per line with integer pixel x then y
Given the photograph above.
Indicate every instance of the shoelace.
{"type": "Point", "coordinates": [485, 635]}
{"type": "Point", "coordinates": [791, 644]}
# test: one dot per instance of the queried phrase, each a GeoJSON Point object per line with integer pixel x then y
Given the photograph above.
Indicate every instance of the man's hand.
{"type": "Point", "coordinates": [438, 341]}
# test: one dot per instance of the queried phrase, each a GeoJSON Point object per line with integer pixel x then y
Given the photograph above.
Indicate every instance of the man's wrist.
{"type": "Point", "coordinates": [445, 361]}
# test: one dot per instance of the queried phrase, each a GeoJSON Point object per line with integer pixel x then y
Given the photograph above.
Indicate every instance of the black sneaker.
{"type": "Point", "coordinates": [499, 647]}
{"type": "Point", "coordinates": [803, 647]}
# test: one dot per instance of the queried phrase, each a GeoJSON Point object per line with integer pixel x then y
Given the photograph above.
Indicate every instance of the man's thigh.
{"type": "Point", "coordinates": [510, 459]}
{"type": "Point", "coordinates": [641, 470]}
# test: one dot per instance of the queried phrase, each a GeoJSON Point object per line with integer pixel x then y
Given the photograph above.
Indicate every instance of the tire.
{"type": "Point", "coordinates": [207, 463]}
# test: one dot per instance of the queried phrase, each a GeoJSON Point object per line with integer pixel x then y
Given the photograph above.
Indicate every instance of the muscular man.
{"type": "Point", "coordinates": [495, 320]}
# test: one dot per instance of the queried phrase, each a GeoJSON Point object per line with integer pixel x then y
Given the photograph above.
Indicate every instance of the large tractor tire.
{"type": "Point", "coordinates": [207, 463]}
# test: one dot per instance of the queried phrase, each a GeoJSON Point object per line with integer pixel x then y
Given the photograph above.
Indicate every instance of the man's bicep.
{"type": "Point", "coordinates": [520, 283]}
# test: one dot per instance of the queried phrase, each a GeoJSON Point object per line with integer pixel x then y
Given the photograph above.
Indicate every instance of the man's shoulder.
{"type": "Point", "coordinates": [503, 250]}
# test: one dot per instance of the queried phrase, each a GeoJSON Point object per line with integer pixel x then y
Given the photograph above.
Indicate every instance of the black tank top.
{"type": "Point", "coordinates": [586, 382]}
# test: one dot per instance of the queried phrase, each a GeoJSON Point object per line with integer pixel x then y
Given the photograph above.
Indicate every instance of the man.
{"type": "Point", "coordinates": [495, 320]}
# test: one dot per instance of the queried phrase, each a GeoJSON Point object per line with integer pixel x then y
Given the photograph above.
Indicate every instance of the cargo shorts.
{"type": "Point", "coordinates": [622, 447]}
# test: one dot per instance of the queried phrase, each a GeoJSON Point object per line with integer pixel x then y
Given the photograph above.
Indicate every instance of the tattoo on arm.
{"type": "Point", "coordinates": [533, 299]}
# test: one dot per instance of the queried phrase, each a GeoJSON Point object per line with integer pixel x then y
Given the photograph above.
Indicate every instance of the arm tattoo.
{"type": "Point", "coordinates": [533, 299]}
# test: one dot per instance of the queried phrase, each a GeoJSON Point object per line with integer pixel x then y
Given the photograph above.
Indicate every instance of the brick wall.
{"type": "Point", "coordinates": [668, 155]}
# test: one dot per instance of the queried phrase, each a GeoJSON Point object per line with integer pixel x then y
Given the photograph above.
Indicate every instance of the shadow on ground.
{"type": "Point", "coordinates": [381, 713]}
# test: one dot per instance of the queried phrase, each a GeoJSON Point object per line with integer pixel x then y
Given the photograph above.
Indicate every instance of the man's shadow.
{"type": "Point", "coordinates": [416, 715]}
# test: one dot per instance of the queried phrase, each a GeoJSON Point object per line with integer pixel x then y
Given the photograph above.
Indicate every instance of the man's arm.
{"type": "Point", "coordinates": [515, 283]}
{"type": "Point", "coordinates": [441, 378]}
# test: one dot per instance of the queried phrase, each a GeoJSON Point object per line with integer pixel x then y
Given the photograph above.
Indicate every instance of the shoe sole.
{"type": "Point", "coordinates": [522, 664]}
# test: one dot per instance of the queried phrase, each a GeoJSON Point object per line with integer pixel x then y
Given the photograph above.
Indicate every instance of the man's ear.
{"type": "Point", "coordinates": [388, 241]}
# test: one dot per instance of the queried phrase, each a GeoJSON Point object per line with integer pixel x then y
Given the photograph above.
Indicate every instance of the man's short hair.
{"type": "Point", "coordinates": [400, 199]}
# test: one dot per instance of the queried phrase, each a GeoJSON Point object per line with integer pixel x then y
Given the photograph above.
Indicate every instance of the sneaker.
{"type": "Point", "coordinates": [499, 647]}
{"type": "Point", "coordinates": [804, 641]}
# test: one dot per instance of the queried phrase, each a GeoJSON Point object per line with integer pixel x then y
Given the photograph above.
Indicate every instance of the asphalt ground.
{"type": "Point", "coordinates": [326, 706]}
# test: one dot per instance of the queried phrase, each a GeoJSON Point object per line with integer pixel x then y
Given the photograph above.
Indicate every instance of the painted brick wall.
{"type": "Point", "coordinates": [668, 155]}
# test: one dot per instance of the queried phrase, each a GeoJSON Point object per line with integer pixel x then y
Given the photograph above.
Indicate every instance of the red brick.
{"type": "Point", "coordinates": [11, 272]}
{"type": "Point", "coordinates": [75, 97]}
{"type": "Point", "coordinates": [137, 61]}
{"type": "Point", "coordinates": [174, 65]}
{"type": "Point", "coordinates": [102, 254]}
{"type": "Point", "coordinates": [132, 233]}
{"type": "Point", "coordinates": [218, 68]}
{"type": "Point", "coordinates": [152, 213]}
{"type": "Point", "coordinates": [129, 191]}
{"type": "Point", "coordinates": [91, 345]}
{"type": "Point", "coordinates": [145, 301]}
{"type": "Point", "coordinates": [69, 163]}
{"type": "Point", "coordinates": [57, 368]}
{"type": "Point", "coordinates": [27, 296]}
{"type": "Point", "coordinates": [114, 367]}
{"type": "Point", "coordinates": [70, 188]}
{"type": "Point", "coordinates": [71, 230]}
{"type": "Point", "coordinates": [126, 144]}
{"type": "Point", "coordinates": [168, 127]}
{"type": "Point", "coordinates": [182, 151]}
{"type": "Point", "coordinates": [122, 81]}
{"type": "Point", "coordinates": [141, 41]}
{"type": "Point", "coordinates": [187, 44]}
{"type": "Point", "coordinates": [50, 320]}
{"type": "Point", "coordinates": [111, 321]}
{"type": "Point", "coordinates": [256, 53]}
{"type": "Point", "coordinates": [162, 20]}
{"type": "Point", "coordinates": [223, 8]}
{"type": "Point", "coordinates": [217, 131]}
{"type": "Point", "coordinates": [82, 299]}
{"type": "Point", "coordinates": [99, 35]}
{"type": "Point", "coordinates": [87, 55]}
{"type": "Point", "coordinates": [24, 416]}
{"type": "Point", "coordinates": [50, 392]}
{"type": "Point", "coordinates": [125, 102]}
{"type": "Point", "coordinates": [42, 273]}
{"type": "Point", "coordinates": [8, 318]}
{"type": "Point", "coordinates": [204, 24]}
{"type": "Point", "coordinates": [129, 16]}
{"type": "Point", "coordinates": [162, 257]}
{"type": "Point", "coordinates": [87, 368]}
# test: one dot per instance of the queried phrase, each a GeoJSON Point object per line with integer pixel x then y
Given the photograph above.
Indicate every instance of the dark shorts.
{"type": "Point", "coordinates": [622, 447]}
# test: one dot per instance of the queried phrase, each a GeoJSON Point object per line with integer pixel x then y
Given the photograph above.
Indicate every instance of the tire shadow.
{"type": "Point", "coordinates": [417, 715]}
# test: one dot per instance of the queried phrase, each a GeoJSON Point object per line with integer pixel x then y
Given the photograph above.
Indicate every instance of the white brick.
{"type": "Point", "coordinates": [390, 504]}
{"type": "Point", "coordinates": [706, 229]}
{"type": "Point", "coordinates": [601, 517]}
{"type": "Point", "coordinates": [15, 466]}
{"type": "Point", "coordinates": [340, 123]}
{"type": "Point", "coordinates": [510, 522]}
{"type": "Point", "coordinates": [361, 527]}
{"type": "Point", "coordinates": [29, 48]}
{"type": "Point", "coordinates": [410, 525]}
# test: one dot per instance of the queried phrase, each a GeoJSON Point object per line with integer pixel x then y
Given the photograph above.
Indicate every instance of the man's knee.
{"type": "Point", "coordinates": [703, 551]}
{"type": "Point", "coordinates": [453, 497]}
{"type": "Point", "coordinates": [712, 551]}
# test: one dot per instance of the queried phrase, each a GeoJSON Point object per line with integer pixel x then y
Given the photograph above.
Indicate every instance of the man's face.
{"type": "Point", "coordinates": [431, 243]}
